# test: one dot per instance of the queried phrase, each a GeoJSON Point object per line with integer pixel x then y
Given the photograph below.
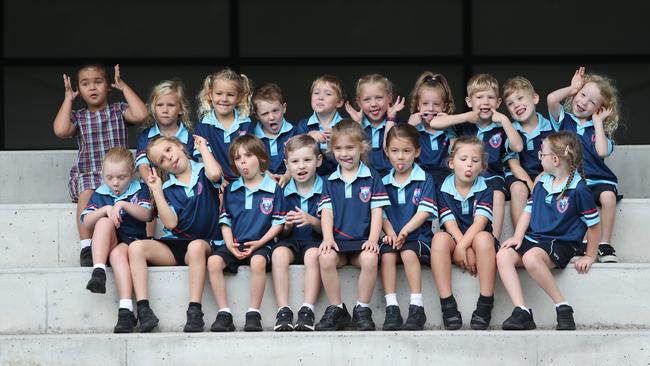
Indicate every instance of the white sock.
{"type": "Point", "coordinates": [310, 306]}
{"type": "Point", "coordinates": [253, 309]}
{"type": "Point", "coordinates": [391, 299]}
{"type": "Point", "coordinates": [340, 305]}
{"type": "Point", "coordinates": [227, 310]}
{"type": "Point", "coordinates": [525, 308]}
{"type": "Point", "coordinates": [363, 305]}
{"type": "Point", "coordinates": [280, 308]}
{"type": "Point", "coordinates": [126, 304]}
{"type": "Point", "coordinates": [416, 299]}
{"type": "Point", "coordinates": [561, 303]}
{"type": "Point", "coordinates": [85, 243]}
{"type": "Point", "coordinates": [100, 265]}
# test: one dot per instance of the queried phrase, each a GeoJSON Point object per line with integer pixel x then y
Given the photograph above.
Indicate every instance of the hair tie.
{"type": "Point", "coordinates": [566, 150]}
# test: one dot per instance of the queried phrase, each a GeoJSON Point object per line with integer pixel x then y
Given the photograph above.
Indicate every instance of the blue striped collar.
{"type": "Point", "coordinates": [366, 123]}
{"type": "Point", "coordinates": [543, 124]}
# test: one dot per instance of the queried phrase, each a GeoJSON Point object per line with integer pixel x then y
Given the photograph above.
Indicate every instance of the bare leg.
{"type": "Point", "coordinates": [498, 211]}
{"type": "Point", "coordinates": [329, 262]}
{"type": "Point", "coordinates": [539, 264]}
{"type": "Point", "coordinates": [120, 263]}
{"type": "Point", "coordinates": [518, 199]}
{"type": "Point", "coordinates": [312, 276]}
{"type": "Point", "coordinates": [368, 262]}
{"type": "Point", "coordinates": [104, 239]}
{"type": "Point", "coordinates": [389, 272]}
{"type": "Point", "coordinates": [82, 202]}
{"type": "Point", "coordinates": [258, 280]}
{"type": "Point", "coordinates": [607, 215]}
{"type": "Point", "coordinates": [507, 261]}
{"type": "Point", "coordinates": [141, 252]}
{"type": "Point", "coordinates": [282, 257]}
{"type": "Point", "coordinates": [216, 265]}
{"type": "Point", "coordinates": [486, 264]}
{"type": "Point", "coordinates": [196, 258]}
{"type": "Point", "coordinates": [413, 270]}
{"type": "Point", "coordinates": [441, 248]}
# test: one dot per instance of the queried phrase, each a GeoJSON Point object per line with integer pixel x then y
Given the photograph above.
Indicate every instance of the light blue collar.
{"type": "Point", "coordinates": [196, 169]}
{"type": "Point", "coordinates": [547, 182]}
{"type": "Point", "coordinates": [543, 124]}
{"type": "Point", "coordinates": [211, 119]}
{"type": "Point", "coordinates": [133, 187]}
{"type": "Point", "coordinates": [362, 172]}
{"type": "Point", "coordinates": [182, 134]}
{"type": "Point", "coordinates": [292, 188]}
{"type": "Point", "coordinates": [417, 174]}
{"type": "Point", "coordinates": [487, 128]}
{"type": "Point", "coordinates": [267, 185]}
{"type": "Point", "coordinates": [421, 128]}
{"type": "Point", "coordinates": [449, 186]}
{"type": "Point", "coordinates": [366, 123]}
{"type": "Point", "coordinates": [314, 120]}
{"type": "Point", "coordinates": [286, 127]}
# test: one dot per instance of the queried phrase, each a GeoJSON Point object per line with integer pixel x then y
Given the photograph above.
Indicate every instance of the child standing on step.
{"type": "Point", "coordinates": [559, 212]}
{"type": "Point", "coordinates": [98, 127]}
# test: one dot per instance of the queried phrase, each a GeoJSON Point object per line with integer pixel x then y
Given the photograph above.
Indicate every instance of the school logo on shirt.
{"type": "Point", "coordinates": [563, 204]}
{"type": "Point", "coordinates": [134, 199]}
{"type": "Point", "coordinates": [496, 140]}
{"type": "Point", "coordinates": [267, 205]}
{"type": "Point", "coordinates": [199, 188]}
{"type": "Point", "coordinates": [417, 193]}
{"type": "Point", "coordinates": [242, 132]}
{"type": "Point", "coordinates": [364, 194]}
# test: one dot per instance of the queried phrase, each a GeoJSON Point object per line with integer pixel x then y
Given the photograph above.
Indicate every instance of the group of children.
{"type": "Point", "coordinates": [330, 191]}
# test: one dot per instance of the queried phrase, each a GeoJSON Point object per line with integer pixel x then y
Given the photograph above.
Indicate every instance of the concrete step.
{"type": "Point", "coordinates": [488, 348]}
{"type": "Point", "coordinates": [25, 172]}
{"type": "Point", "coordinates": [56, 301]}
{"type": "Point", "coordinates": [45, 235]}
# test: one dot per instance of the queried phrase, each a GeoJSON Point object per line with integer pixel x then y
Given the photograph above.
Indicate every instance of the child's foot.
{"type": "Point", "coordinates": [97, 282]}
{"type": "Point", "coordinates": [194, 320]}
{"type": "Point", "coordinates": [284, 320]}
{"type": "Point", "coordinates": [393, 319]}
{"type": "Point", "coordinates": [125, 321]}
{"type": "Point", "coordinates": [565, 318]}
{"type": "Point", "coordinates": [335, 318]}
{"type": "Point", "coordinates": [482, 315]}
{"type": "Point", "coordinates": [305, 320]}
{"type": "Point", "coordinates": [362, 318]}
{"type": "Point", "coordinates": [223, 323]}
{"type": "Point", "coordinates": [148, 320]}
{"type": "Point", "coordinates": [253, 322]}
{"type": "Point", "coordinates": [606, 253]}
{"type": "Point", "coordinates": [86, 257]}
{"type": "Point", "coordinates": [451, 318]}
{"type": "Point", "coordinates": [416, 318]}
{"type": "Point", "coordinates": [519, 320]}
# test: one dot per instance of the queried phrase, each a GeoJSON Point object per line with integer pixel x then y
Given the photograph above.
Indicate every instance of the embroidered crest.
{"type": "Point", "coordinates": [417, 193]}
{"type": "Point", "coordinates": [199, 188]}
{"type": "Point", "coordinates": [242, 132]}
{"type": "Point", "coordinates": [496, 140]}
{"type": "Point", "coordinates": [134, 199]}
{"type": "Point", "coordinates": [267, 205]}
{"type": "Point", "coordinates": [563, 204]}
{"type": "Point", "coordinates": [364, 194]}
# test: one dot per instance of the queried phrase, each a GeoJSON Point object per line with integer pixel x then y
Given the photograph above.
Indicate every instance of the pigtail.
{"type": "Point", "coordinates": [572, 172]}
{"type": "Point", "coordinates": [244, 104]}
{"type": "Point", "coordinates": [203, 98]}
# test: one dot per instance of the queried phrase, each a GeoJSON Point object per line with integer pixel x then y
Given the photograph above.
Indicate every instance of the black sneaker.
{"type": "Point", "coordinates": [97, 282]}
{"type": "Point", "coordinates": [479, 322]}
{"type": "Point", "coordinates": [305, 320]}
{"type": "Point", "coordinates": [565, 318]}
{"type": "Point", "coordinates": [362, 318]}
{"type": "Point", "coordinates": [223, 323]}
{"type": "Point", "coordinates": [194, 322]}
{"type": "Point", "coordinates": [606, 253]}
{"type": "Point", "coordinates": [284, 320]}
{"type": "Point", "coordinates": [519, 320]}
{"type": "Point", "coordinates": [253, 322]}
{"type": "Point", "coordinates": [451, 318]}
{"type": "Point", "coordinates": [335, 318]}
{"type": "Point", "coordinates": [393, 320]}
{"type": "Point", "coordinates": [125, 321]}
{"type": "Point", "coordinates": [416, 318]}
{"type": "Point", "coordinates": [148, 320]}
{"type": "Point", "coordinates": [86, 257]}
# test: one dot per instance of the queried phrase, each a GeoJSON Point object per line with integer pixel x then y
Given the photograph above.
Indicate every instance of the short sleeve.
{"type": "Point", "coordinates": [444, 210]}
{"type": "Point", "coordinates": [379, 194]}
{"type": "Point", "coordinates": [225, 217]}
{"type": "Point", "coordinates": [279, 207]}
{"type": "Point", "coordinates": [141, 150]}
{"type": "Point", "coordinates": [428, 199]}
{"type": "Point", "coordinates": [586, 206]}
{"type": "Point", "coordinates": [143, 197]}
{"type": "Point", "coordinates": [93, 204]}
{"type": "Point", "coordinates": [483, 203]}
{"type": "Point", "coordinates": [325, 199]}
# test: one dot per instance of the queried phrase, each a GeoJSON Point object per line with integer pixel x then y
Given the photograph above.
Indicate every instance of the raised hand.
{"type": "Point", "coordinates": [356, 115]}
{"type": "Point", "coordinates": [200, 143]}
{"type": "Point", "coordinates": [602, 113]}
{"type": "Point", "coordinates": [70, 94]}
{"type": "Point", "coordinates": [318, 136]}
{"type": "Point", "coordinates": [578, 80]}
{"type": "Point", "coordinates": [118, 84]}
{"type": "Point", "coordinates": [396, 107]}
{"type": "Point", "coordinates": [416, 118]}
{"type": "Point", "coordinates": [153, 181]}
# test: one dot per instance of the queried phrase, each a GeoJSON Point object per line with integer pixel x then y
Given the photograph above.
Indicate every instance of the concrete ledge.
{"type": "Point", "coordinates": [45, 235]}
{"type": "Point", "coordinates": [56, 301]}
{"type": "Point", "coordinates": [380, 348]}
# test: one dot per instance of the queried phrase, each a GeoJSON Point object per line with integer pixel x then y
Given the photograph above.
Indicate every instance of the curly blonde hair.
{"type": "Point", "coordinates": [167, 87]}
{"type": "Point", "coordinates": [432, 80]}
{"type": "Point", "coordinates": [610, 96]}
{"type": "Point", "coordinates": [245, 92]}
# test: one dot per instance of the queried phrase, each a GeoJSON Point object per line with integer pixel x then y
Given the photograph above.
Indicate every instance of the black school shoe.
{"type": "Point", "coordinates": [125, 321]}
{"type": "Point", "coordinates": [194, 322]}
{"type": "Point", "coordinates": [305, 320]}
{"type": "Point", "coordinates": [97, 282]}
{"type": "Point", "coordinates": [393, 320]}
{"type": "Point", "coordinates": [362, 318]}
{"type": "Point", "coordinates": [479, 322]}
{"type": "Point", "coordinates": [148, 320]}
{"type": "Point", "coordinates": [253, 322]}
{"type": "Point", "coordinates": [284, 320]}
{"type": "Point", "coordinates": [335, 318]}
{"type": "Point", "coordinates": [565, 318]}
{"type": "Point", "coordinates": [223, 323]}
{"type": "Point", "coordinates": [86, 257]}
{"type": "Point", "coordinates": [519, 320]}
{"type": "Point", "coordinates": [451, 318]}
{"type": "Point", "coordinates": [416, 318]}
{"type": "Point", "coordinates": [606, 253]}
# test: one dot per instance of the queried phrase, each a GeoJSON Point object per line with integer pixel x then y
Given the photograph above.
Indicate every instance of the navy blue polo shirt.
{"type": "Point", "coordinates": [147, 135]}
{"type": "Point", "coordinates": [307, 203]}
{"type": "Point", "coordinates": [351, 202]}
{"type": "Point", "coordinates": [251, 213]}
{"type": "Point", "coordinates": [415, 195]}
{"type": "Point", "coordinates": [136, 193]}
{"type": "Point", "coordinates": [495, 142]}
{"type": "Point", "coordinates": [313, 124]}
{"type": "Point", "coordinates": [528, 157]}
{"type": "Point", "coordinates": [434, 148]}
{"type": "Point", "coordinates": [564, 219]}
{"type": "Point", "coordinates": [275, 145]}
{"type": "Point", "coordinates": [596, 171]}
{"type": "Point", "coordinates": [453, 206]}
{"type": "Point", "coordinates": [196, 205]}
{"type": "Point", "coordinates": [377, 158]}
{"type": "Point", "coordinates": [219, 139]}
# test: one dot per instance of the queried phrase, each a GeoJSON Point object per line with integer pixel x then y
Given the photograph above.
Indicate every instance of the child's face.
{"type": "Point", "coordinates": [93, 87]}
{"type": "Point", "coordinates": [302, 163]}
{"type": "Point", "coordinates": [588, 101]}
{"type": "Point", "coordinates": [324, 98]}
{"type": "Point", "coordinates": [431, 103]}
{"type": "Point", "coordinates": [270, 114]}
{"type": "Point", "coordinates": [374, 101]}
{"type": "Point", "coordinates": [347, 153]}
{"type": "Point", "coordinates": [169, 157]}
{"type": "Point", "coordinates": [117, 176]}
{"type": "Point", "coordinates": [467, 163]}
{"type": "Point", "coordinates": [167, 109]}
{"type": "Point", "coordinates": [483, 102]}
{"type": "Point", "coordinates": [224, 97]}
{"type": "Point", "coordinates": [547, 158]}
{"type": "Point", "coordinates": [248, 165]}
{"type": "Point", "coordinates": [402, 153]}
{"type": "Point", "coordinates": [521, 104]}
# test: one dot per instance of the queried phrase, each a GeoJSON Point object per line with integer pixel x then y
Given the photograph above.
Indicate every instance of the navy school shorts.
{"type": "Point", "coordinates": [597, 189]}
{"type": "Point", "coordinates": [232, 263]}
{"type": "Point", "coordinates": [559, 251]}
{"type": "Point", "coordinates": [421, 249]}
{"type": "Point", "coordinates": [298, 248]}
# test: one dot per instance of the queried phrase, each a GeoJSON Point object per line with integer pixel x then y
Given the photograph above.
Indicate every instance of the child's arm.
{"type": "Point", "coordinates": [441, 122]}
{"type": "Point", "coordinates": [520, 231]}
{"type": "Point", "coordinates": [602, 142]}
{"type": "Point", "coordinates": [144, 170]}
{"type": "Point", "coordinates": [554, 99]}
{"type": "Point", "coordinates": [274, 231]}
{"type": "Point", "coordinates": [226, 232]}
{"type": "Point", "coordinates": [515, 142]}
{"type": "Point", "coordinates": [212, 168]}
{"type": "Point", "coordinates": [414, 223]}
{"type": "Point", "coordinates": [327, 227]}
{"type": "Point", "coordinates": [376, 219]}
{"type": "Point", "coordinates": [284, 179]}
{"type": "Point", "coordinates": [302, 218]}
{"type": "Point", "coordinates": [89, 219]}
{"type": "Point", "coordinates": [390, 236]}
{"type": "Point", "coordinates": [136, 112]}
{"type": "Point", "coordinates": [138, 212]}
{"type": "Point", "coordinates": [166, 214]}
{"type": "Point", "coordinates": [519, 172]}
{"type": "Point", "coordinates": [460, 252]}
{"type": "Point", "coordinates": [593, 236]}
{"type": "Point", "coordinates": [63, 127]}
{"type": "Point", "coordinates": [356, 115]}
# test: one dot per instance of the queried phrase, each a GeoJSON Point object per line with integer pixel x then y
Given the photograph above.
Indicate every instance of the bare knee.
{"type": "Point", "coordinates": [409, 257]}
{"type": "Point", "coordinates": [311, 258]}
{"type": "Point", "coordinates": [389, 258]}
{"type": "Point", "coordinates": [328, 260]}
{"type": "Point", "coordinates": [519, 191]}
{"type": "Point", "coordinates": [368, 260]}
{"type": "Point", "coordinates": [531, 260]}
{"type": "Point", "coordinates": [216, 264]}
{"type": "Point", "coordinates": [506, 257]}
{"type": "Point", "coordinates": [281, 256]}
{"type": "Point", "coordinates": [483, 242]}
{"type": "Point", "coordinates": [441, 243]}
{"type": "Point", "coordinates": [607, 199]}
{"type": "Point", "coordinates": [258, 264]}
{"type": "Point", "coordinates": [197, 249]}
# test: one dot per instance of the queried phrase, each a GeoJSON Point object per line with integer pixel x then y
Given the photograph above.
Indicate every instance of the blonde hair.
{"type": "Point", "coordinates": [469, 140]}
{"type": "Point", "coordinates": [120, 154]}
{"type": "Point", "coordinates": [375, 78]}
{"type": "Point", "coordinates": [481, 82]}
{"type": "Point", "coordinates": [167, 87]}
{"type": "Point", "coordinates": [352, 130]}
{"type": "Point", "coordinates": [251, 144]}
{"type": "Point", "coordinates": [514, 84]}
{"type": "Point", "coordinates": [332, 81]}
{"type": "Point", "coordinates": [434, 81]}
{"type": "Point", "coordinates": [610, 95]}
{"type": "Point", "coordinates": [300, 141]}
{"type": "Point", "coordinates": [243, 83]}
{"type": "Point", "coordinates": [566, 146]}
